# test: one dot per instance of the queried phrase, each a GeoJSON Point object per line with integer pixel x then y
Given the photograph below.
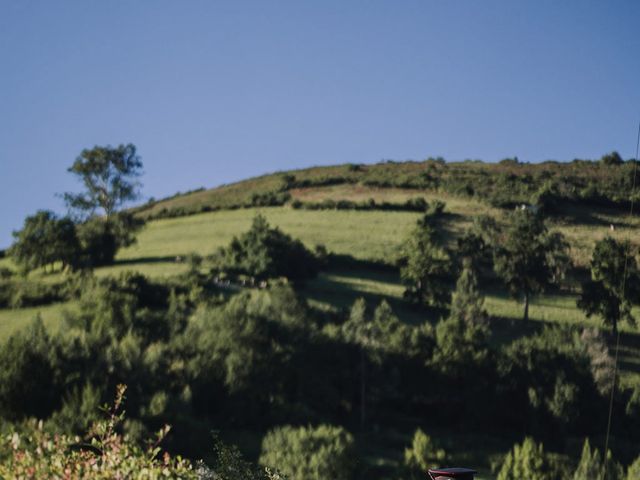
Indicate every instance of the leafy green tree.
{"type": "Point", "coordinates": [248, 343]}
{"type": "Point", "coordinates": [101, 237]}
{"type": "Point", "coordinates": [325, 452]}
{"type": "Point", "coordinates": [27, 386]}
{"type": "Point", "coordinates": [612, 159]}
{"type": "Point", "coordinates": [462, 339]}
{"type": "Point", "coordinates": [44, 240]}
{"type": "Point", "coordinates": [530, 259]}
{"type": "Point", "coordinates": [614, 285]}
{"type": "Point", "coordinates": [108, 175]}
{"type": "Point", "coordinates": [361, 330]}
{"type": "Point", "coordinates": [592, 467]}
{"type": "Point", "coordinates": [633, 473]}
{"type": "Point", "coordinates": [466, 303]}
{"type": "Point", "coordinates": [422, 455]}
{"type": "Point", "coordinates": [527, 461]}
{"type": "Point", "coordinates": [425, 267]}
{"type": "Point", "coordinates": [264, 252]}
{"type": "Point", "coordinates": [552, 381]}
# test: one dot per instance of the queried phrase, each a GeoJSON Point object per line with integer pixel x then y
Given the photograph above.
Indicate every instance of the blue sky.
{"type": "Point", "coordinates": [213, 91]}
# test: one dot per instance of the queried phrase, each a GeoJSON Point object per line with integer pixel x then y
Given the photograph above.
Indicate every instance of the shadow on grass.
{"type": "Point", "coordinates": [147, 260]}
{"type": "Point", "coordinates": [573, 213]}
{"type": "Point", "coordinates": [348, 262]}
{"type": "Point", "coordinates": [346, 279]}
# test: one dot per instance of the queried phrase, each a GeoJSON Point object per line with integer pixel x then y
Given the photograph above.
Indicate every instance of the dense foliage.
{"type": "Point", "coordinates": [528, 460]}
{"type": "Point", "coordinates": [614, 285]}
{"type": "Point", "coordinates": [108, 176]}
{"type": "Point", "coordinates": [264, 252]}
{"type": "Point", "coordinates": [232, 345]}
{"type": "Point", "coordinates": [325, 452]}
{"type": "Point", "coordinates": [529, 258]}
{"type": "Point", "coordinates": [552, 185]}
{"type": "Point", "coordinates": [425, 266]}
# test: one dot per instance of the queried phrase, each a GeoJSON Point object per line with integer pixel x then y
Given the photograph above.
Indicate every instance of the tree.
{"type": "Point", "coordinates": [101, 237]}
{"type": "Point", "coordinates": [531, 260]}
{"type": "Point", "coordinates": [462, 339]}
{"type": "Point", "coordinates": [466, 303]}
{"type": "Point", "coordinates": [612, 159]}
{"type": "Point", "coordinates": [108, 175]}
{"type": "Point", "coordinates": [325, 452]}
{"type": "Point", "coordinates": [614, 285]}
{"type": "Point", "coordinates": [425, 267]}
{"type": "Point", "coordinates": [44, 240]}
{"type": "Point", "coordinates": [264, 252]}
{"type": "Point", "coordinates": [529, 461]}
{"type": "Point", "coordinates": [360, 329]}
{"type": "Point", "coordinates": [634, 470]}
{"type": "Point", "coordinates": [422, 455]}
{"type": "Point", "coordinates": [27, 386]}
{"type": "Point", "coordinates": [248, 344]}
{"type": "Point", "coordinates": [592, 467]}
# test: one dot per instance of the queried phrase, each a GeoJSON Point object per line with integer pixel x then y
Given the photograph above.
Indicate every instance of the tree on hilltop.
{"type": "Point", "coordinates": [530, 259]}
{"type": "Point", "coordinates": [109, 178]}
{"type": "Point", "coordinates": [109, 175]}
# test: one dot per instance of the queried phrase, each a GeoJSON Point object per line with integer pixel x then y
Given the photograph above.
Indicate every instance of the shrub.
{"type": "Point", "coordinates": [264, 252]}
{"type": "Point", "coordinates": [27, 377]}
{"type": "Point", "coordinates": [591, 465]}
{"type": "Point", "coordinates": [422, 455]}
{"type": "Point", "coordinates": [38, 454]}
{"type": "Point", "coordinates": [325, 452]}
{"type": "Point", "coordinates": [527, 461]}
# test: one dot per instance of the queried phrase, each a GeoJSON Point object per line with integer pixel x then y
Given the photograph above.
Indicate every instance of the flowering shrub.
{"type": "Point", "coordinates": [105, 454]}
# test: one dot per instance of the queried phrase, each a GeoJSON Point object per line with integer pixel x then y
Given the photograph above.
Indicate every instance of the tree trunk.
{"type": "Point", "coordinates": [526, 306]}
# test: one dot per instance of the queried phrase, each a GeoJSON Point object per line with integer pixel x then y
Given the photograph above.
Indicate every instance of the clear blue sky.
{"type": "Point", "coordinates": [213, 91]}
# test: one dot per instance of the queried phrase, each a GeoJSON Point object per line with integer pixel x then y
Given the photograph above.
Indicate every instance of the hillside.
{"type": "Point", "coordinates": [361, 214]}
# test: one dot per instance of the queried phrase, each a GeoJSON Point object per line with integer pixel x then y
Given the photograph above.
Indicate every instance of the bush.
{"type": "Point", "coordinates": [422, 455]}
{"type": "Point", "coordinates": [310, 453]}
{"type": "Point", "coordinates": [527, 461]}
{"type": "Point", "coordinates": [27, 377]}
{"type": "Point", "coordinates": [264, 252]}
{"type": "Point", "coordinates": [591, 465]}
{"type": "Point", "coordinates": [38, 454]}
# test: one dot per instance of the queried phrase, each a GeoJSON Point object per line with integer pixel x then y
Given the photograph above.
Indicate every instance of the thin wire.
{"type": "Point", "coordinates": [624, 283]}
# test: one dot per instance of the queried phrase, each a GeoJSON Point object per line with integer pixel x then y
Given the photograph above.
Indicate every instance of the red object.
{"type": "Point", "coordinates": [451, 473]}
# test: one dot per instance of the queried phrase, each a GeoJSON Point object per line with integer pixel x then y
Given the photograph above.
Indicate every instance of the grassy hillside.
{"type": "Point", "coordinates": [365, 243]}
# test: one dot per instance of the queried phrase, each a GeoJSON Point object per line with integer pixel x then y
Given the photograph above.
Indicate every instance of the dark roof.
{"type": "Point", "coordinates": [458, 473]}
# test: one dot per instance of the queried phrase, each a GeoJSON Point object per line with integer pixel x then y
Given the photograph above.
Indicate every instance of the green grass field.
{"type": "Point", "coordinates": [371, 235]}
{"type": "Point", "coordinates": [12, 320]}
